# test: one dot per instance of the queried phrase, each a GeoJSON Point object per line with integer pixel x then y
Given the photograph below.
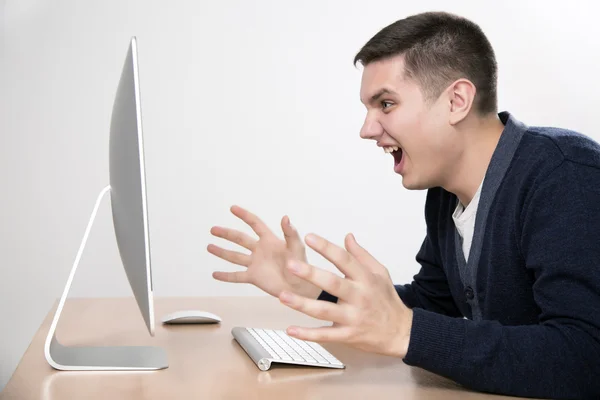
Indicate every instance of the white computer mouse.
{"type": "Point", "coordinates": [191, 317]}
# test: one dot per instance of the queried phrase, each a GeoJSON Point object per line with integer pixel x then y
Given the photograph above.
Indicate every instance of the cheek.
{"type": "Point", "coordinates": [434, 134]}
{"type": "Point", "coordinates": [403, 127]}
{"type": "Point", "coordinates": [421, 143]}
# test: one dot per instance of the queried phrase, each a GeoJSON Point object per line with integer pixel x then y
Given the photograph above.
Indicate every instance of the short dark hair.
{"type": "Point", "coordinates": [438, 48]}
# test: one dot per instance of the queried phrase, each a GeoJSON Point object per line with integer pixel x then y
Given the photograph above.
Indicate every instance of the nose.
{"type": "Point", "coordinates": [371, 128]}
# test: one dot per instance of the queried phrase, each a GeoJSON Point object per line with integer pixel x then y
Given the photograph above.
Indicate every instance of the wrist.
{"type": "Point", "coordinates": [404, 333]}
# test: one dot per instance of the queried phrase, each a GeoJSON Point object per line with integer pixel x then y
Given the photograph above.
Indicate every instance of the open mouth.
{"type": "Point", "coordinates": [397, 156]}
{"type": "Point", "coordinates": [396, 152]}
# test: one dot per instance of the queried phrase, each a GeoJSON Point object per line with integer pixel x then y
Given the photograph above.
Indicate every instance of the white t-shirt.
{"type": "Point", "coordinates": [464, 219]}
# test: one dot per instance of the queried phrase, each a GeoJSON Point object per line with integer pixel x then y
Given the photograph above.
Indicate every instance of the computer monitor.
{"type": "Point", "coordinates": [128, 186]}
{"type": "Point", "coordinates": [129, 206]}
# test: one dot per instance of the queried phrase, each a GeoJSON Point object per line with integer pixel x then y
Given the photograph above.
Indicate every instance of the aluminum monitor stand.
{"type": "Point", "coordinates": [123, 358]}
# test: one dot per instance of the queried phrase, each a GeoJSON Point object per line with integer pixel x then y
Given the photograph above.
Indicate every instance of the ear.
{"type": "Point", "coordinates": [462, 96]}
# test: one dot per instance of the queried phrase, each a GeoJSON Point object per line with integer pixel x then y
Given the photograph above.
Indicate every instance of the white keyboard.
{"type": "Point", "coordinates": [266, 346]}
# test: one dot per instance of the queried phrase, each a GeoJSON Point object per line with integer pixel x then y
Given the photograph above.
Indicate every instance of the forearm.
{"type": "Point", "coordinates": [549, 361]}
{"type": "Point", "coordinates": [431, 298]}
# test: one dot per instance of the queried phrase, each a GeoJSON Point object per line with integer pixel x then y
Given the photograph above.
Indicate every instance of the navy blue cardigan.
{"type": "Point", "coordinates": [530, 290]}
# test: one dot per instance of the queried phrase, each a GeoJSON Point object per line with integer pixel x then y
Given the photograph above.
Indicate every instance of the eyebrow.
{"type": "Point", "coordinates": [380, 93]}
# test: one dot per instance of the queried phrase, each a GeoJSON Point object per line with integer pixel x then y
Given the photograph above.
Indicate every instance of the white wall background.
{"type": "Point", "coordinates": [247, 102]}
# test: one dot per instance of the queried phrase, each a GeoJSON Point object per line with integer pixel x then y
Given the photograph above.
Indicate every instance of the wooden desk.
{"type": "Point", "coordinates": [205, 362]}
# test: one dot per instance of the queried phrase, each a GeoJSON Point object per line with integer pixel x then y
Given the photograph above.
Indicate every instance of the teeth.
{"type": "Point", "coordinates": [390, 149]}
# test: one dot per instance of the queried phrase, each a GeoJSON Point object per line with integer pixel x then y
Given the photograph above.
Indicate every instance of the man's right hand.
{"type": "Point", "coordinates": [267, 261]}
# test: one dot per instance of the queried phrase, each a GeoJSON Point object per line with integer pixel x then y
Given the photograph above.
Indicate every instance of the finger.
{"type": "Point", "coordinates": [322, 334]}
{"type": "Point", "coordinates": [325, 280]}
{"type": "Point", "coordinates": [229, 255]}
{"type": "Point", "coordinates": [323, 310]}
{"type": "Point", "coordinates": [292, 238]}
{"type": "Point", "coordinates": [343, 260]}
{"type": "Point", "coordinates": [362, 255]}
{"type": "Point", "coordinates": [259, 227]}
{"type": "Point", "coordinates": [234, 236]}
{"type": "Point", "coordinates": [233, 277]}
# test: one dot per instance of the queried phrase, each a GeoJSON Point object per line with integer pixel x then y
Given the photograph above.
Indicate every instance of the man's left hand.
{"type": "Point", "coordinates": [369, 314]}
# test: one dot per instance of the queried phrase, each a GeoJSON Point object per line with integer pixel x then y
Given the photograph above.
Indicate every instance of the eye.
{"type": "Point", "coordinates": [386, 104]}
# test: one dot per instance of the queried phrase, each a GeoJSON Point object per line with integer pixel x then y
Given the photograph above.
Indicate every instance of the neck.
{"type": "Point", "coordinates": [481, 136]}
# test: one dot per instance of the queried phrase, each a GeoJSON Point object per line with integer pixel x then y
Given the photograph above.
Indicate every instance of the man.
{"type": "Point", "coordinates": [507, 299]}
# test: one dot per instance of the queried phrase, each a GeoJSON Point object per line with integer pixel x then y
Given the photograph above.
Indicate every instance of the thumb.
{"type": "Point", "coordinates": [362, 256]}
{"type": "Point", "coordinates": [292, 238]}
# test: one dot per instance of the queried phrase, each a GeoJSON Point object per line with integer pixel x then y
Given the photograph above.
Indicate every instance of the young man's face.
{"type": "Point", "coordinates": [399, 115]}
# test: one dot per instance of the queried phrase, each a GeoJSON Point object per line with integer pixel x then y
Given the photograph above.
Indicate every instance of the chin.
{"type": "Point", "coordinates": [414, 184]}
{"type": "Point", "coordinates": [409, 185]}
